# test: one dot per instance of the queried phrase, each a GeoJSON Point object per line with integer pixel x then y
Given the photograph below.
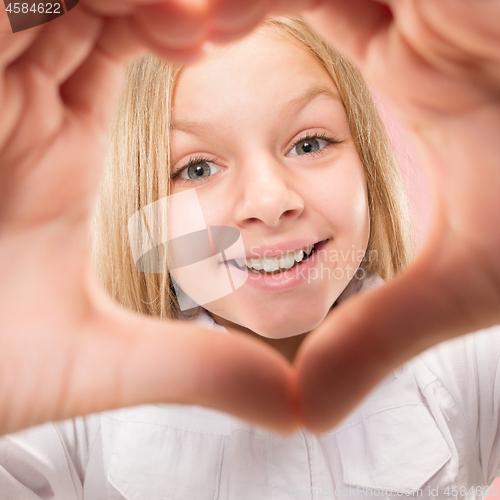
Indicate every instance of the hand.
{"type": "Point", "coordinates": [438, 64]}
{"type": "Point", "coordinates": [98, 357]}
{"type": "Point", "coordinates": [65, 347]}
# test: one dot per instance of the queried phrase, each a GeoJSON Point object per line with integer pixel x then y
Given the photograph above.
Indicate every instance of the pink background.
{"type": "Point", "coordinates": [416, 187]}
{"type": "Point", "coordinates": [413, 174]}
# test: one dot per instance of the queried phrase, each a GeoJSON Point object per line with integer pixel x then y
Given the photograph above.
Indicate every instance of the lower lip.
{"type": "Point", "coordinates": [285, 280]}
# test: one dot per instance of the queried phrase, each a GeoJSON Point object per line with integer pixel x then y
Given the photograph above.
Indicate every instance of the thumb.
{"type": "Point", "coordinates": [125, 359]}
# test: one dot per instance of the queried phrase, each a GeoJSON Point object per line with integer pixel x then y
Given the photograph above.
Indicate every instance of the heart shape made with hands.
{"type": "Point", "coordinates": [78, 352]}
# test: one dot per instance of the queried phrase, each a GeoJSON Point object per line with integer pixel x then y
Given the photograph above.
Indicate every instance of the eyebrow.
{"type": "Point", "coordinates": [290, 109]}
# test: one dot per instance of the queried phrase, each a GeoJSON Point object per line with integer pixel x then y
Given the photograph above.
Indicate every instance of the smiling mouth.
{"type": "Point", "coordinates": [274, 265]}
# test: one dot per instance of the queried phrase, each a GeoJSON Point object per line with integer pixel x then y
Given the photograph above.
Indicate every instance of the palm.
{"type": "Point", "coordinates": [437, 64]}
{"type": "Point", "coordinates": [67, 348]}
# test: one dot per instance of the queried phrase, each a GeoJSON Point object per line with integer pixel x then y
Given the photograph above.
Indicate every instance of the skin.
{"type": "Point", "coordinates": [438, 65]}
{"type": "Point", "coordinates": [272, 191]}
{"type": "Point", "coordinates": [76, 352]}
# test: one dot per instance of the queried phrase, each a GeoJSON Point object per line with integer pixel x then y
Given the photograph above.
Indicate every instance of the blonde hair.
{"type": "Point", "coordinates": [137, 172]}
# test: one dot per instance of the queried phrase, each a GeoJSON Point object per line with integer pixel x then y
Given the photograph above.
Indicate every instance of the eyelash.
{"type": "Point", "coordinates": [193, 161]}
{"type": "Point", "coordinates": [329, 140]}
{"type": "Point", "coordinates": [201, 159]}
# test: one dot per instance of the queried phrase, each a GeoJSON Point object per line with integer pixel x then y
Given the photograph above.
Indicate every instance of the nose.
{"type": "Point", "coordinates": [268, 193]}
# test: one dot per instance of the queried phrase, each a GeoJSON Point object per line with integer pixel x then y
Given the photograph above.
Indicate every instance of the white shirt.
{"type": "Point", "coordinates": [430, 429]}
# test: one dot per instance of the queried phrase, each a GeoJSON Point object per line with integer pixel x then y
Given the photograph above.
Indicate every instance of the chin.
{"type": "Point", "coordinates": [274, 320]}
{"type": "Point", "coordinates": [287, 325]}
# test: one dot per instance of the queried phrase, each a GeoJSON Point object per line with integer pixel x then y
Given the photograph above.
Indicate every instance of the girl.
{"type": "Point", "coordinates": [277, 137]}
{"type": "Point", "coordinates": [338, 91]}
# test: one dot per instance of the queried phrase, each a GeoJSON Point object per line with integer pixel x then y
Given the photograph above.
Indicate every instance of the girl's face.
{"type": "Point", "coordinates": [272, 155]}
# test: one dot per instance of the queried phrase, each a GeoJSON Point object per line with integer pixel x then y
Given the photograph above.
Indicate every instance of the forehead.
{"type": "Point", "coordinates": [264, 70]}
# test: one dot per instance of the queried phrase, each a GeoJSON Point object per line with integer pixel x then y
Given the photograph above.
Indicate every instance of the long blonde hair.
{"type": "Point", "coordinates": [137, 172]}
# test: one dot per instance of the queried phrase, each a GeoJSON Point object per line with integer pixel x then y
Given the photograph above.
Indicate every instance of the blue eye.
{"type": "Point", "coordinates": [197, 170]}
{"type": "Point", "coordinates": [311, 144]}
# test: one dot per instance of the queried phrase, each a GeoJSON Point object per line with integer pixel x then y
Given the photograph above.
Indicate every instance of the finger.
{"type": "Point", "coordinates": [232, 19]}
{"type": "Point", "coordinates": [170, 28]}
{"type": "Point", "coordinates": [139, 361]}
{"type": "Point", "coordinates": [287, 7]}
{"type": "Point", "coordinates": [174, 29]}
{"type": "Point", "coordinates": [46, 176]}
{"type": "Point", "coordinates": [94, 88]}
{"type": "Point", "coordinates": [13, 44]}
{"type": "Point", "coordinates": [174, 24]}
{"type": "Point", "coordinates": [476, 34]}
{"type": "Point", "coordinates": [111, 8]}
{"type": "Point", "coordinates": [60, 50]}
{"type": "Point", "coordinates": [369, 336]}
{"type": "Point", "coordinates": [351, 25]}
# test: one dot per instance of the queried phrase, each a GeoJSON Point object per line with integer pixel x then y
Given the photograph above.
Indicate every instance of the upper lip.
{"type": "Point", "coordinates": [275, 250]}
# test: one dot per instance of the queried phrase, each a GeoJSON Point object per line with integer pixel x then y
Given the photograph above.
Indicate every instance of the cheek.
{"type": "Point", "coordinates": [216, 213]}
{"type": "Point", "coordinates": [342, 199]}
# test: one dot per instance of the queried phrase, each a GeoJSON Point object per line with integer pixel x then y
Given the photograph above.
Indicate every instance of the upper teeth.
{"type": "Point", "coordinates": [269, 264]}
